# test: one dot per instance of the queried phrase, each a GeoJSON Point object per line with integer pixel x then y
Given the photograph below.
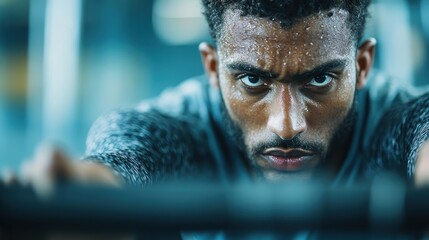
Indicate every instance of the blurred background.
{"type": "Point", "coordinates": [65, 62]}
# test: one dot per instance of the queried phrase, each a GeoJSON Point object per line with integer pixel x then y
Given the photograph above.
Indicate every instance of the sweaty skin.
{"type": "Point", "coordinates": [289, 90]}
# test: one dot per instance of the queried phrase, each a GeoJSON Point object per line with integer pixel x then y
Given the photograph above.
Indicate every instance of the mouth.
{"type": "Point", "coordinates": [289, 159]}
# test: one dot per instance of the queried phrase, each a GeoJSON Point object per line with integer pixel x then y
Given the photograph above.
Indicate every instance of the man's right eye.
{"type": "Point", "coordinates": [252, 81]}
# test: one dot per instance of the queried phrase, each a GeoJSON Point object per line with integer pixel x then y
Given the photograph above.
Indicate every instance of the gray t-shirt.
{"type": "Point", "coordinates": [181, 133]}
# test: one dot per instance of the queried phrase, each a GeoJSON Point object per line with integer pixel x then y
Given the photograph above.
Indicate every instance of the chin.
{"type": "Point", "coordinates": [272, 175]}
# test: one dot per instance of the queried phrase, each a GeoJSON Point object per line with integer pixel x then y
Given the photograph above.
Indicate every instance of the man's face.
{"type": "Point", "coordinates": [287, 92]}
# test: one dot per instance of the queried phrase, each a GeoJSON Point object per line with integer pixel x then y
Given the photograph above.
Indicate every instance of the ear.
{"type": "Point", "coordinates": [210, 63]}
{"type": "Point", "coordinates": [364, 61]}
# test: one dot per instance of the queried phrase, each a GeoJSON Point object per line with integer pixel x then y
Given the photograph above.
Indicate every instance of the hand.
{"type": "Point", "coordinates": [50, 165]}
{"type": "Point", "coordinates": [421, 175]}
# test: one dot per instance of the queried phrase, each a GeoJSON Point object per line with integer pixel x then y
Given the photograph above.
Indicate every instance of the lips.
{"type": "Point", "coordinates": [289, 159]}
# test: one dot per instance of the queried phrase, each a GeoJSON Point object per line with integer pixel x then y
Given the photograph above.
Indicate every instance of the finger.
{"type": "Point", "coordinates": [94, 173]}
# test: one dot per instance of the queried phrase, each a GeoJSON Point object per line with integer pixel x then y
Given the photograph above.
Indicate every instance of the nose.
{"type": "Point", "coordinates": [287, 115]}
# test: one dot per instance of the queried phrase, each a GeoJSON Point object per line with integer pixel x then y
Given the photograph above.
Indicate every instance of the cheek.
{"type": "Point", "coordinates": [245, 112]}
{"type": "Point", "coordinates": [248, 113]}
{"type": "Point", "coordinates": [325, 117]}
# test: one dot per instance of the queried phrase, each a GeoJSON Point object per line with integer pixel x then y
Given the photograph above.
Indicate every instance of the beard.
{"type": "Point", "coordinates": [340, 136]}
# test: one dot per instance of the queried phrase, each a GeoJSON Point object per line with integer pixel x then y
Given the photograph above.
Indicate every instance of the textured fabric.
{"type": "Point", "coordinates": [181, 134]}
{"type": "Point", "coordinates": [148, 147]}
{"type": "Point", "coordinates": [401, 132]}
{"type": "Point", "coordinates": [379, 95]}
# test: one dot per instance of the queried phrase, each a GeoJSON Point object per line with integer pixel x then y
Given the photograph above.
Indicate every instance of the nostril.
{"type": "Point", "coordinates": [286, 127]}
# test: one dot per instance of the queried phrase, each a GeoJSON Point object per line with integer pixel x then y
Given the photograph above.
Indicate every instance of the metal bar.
{"type": "Point", "coordinates": [176, 207]}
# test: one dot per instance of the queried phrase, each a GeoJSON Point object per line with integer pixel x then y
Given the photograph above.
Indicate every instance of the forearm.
{"type": "Point", "coordinates": [126, 167]}
{"type": "Point", "coordinates": [95, 173]}
{"type": "Point", "coordinates": [421, 174]}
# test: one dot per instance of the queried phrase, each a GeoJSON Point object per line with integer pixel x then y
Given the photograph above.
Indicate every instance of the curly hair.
{"type": "Point", "coordinates": [286, 12]}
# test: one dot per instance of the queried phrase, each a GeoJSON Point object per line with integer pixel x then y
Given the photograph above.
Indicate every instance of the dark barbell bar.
{"type": "Point", "coordinates": [386, 206]}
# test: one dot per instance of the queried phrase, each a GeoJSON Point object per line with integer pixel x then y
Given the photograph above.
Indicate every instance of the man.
{"type": "Point", "coordinates": [286, 98]}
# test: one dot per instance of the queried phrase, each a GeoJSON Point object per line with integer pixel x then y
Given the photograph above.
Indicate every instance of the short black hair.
{"type": "Point", "coordinates": [286, 12]}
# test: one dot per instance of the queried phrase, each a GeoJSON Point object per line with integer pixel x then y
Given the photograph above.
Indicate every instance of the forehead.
{"type": "Point", "coordinates": [311, 39]}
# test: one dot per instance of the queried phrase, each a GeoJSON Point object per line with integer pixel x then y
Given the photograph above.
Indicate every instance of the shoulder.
{"type": "Point", "coordinates": [381, 94]}
{"type": "Point", "coordinates": [385, 90]}
{"type": "Point", "coordinates": [178, 111]}
{"type": "Point", "coordinates": [177, 119]}
{"type": "Point", "coordinates": [160, 138]}
{"type": "Point", "coordinates": [378, 97]}
{"type": "Point", "coordinates": [146, 146]}
{"type": "Point", "coordinates": [125, 127]}
{"type": "Point", "coordinates": [188, 98]}
{"type": "Point", "coordinates": [401, 132]}
{"type": "Point", "coordinates": [396, 124]}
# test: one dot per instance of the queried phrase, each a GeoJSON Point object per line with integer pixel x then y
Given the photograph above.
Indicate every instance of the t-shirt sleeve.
{"type": "Point", "coordinates": [146, 147]}
{"type": "Point", "coordinates": [399, 136]}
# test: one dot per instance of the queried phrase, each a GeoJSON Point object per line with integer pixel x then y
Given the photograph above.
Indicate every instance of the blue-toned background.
{"type": "Point", "coordinates": [65, 62]}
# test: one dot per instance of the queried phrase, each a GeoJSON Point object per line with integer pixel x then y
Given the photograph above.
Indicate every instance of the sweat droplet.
{"type": "Point", "coordinates": [290, 52]}
{"type": "Point", "coordinates": [321, 37]}
{"type": "Point", "coordinates": [307, 28]}
{"type": "Point", "coordinates": [321, 26]}
{"type": "Point", "coordinates": [306, 53]}
{"type": "Point", "coordinates": [311, 43]}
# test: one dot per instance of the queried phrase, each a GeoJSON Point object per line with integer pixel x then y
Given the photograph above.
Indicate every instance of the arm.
{"type": "Point", "coordinates": [399, 140]}
{"type": "Point", "coordinates": [126, 147]}
{"type": "Point", "coordinates": [147, 147]}
{"type": "Point", "coordinates": [50, 165]}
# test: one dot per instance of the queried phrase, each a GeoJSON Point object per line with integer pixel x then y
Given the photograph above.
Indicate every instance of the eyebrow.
{"type": "Point", "coordinates": [318, 70]}
{"type": "Point", "coordinates": [249, 68]}
{"type": "Point", "coordinates": [335, 64]}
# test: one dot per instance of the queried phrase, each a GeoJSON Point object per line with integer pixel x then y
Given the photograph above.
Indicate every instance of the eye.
{"type": "Point", "coordinates": [251, 81]}
{"type": "Point", "coordinates": [321, 81]}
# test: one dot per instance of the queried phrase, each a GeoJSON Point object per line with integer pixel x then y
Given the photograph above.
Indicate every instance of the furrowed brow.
{"type": "Point", "coordinates": [336, 64]}
{"type": "Point", "coordinates": [248, 68]}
